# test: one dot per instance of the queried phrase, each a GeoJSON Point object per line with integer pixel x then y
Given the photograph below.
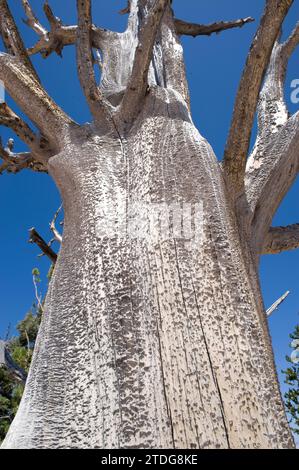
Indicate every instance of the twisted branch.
{"type": "Point", "coordinates": [15, 162]}
{"type": "Point", "coordinates": [237, 146]}
{"type": "Point", "coordinates": [138, 82]}
{"type": "Point", "coordinates": [99, 108]}
{"type": "Point", "coordinates": [12, 39]}
{"type": "Point", "coordinates": [193, 29]}
{"type": "Point", "coordinates": [281, 239]}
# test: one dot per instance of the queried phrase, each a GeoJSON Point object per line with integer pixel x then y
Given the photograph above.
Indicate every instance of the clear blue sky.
{"type": "Point", "coordinates": [214, 65]}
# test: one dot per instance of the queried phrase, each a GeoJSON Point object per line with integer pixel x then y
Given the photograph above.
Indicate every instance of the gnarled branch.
{"type": "Point", "coordinates": [276, 304]}
{"type": "Point", "coordinates": [99, 108]}
{"type": "Point", "coordinates": [291, 43]}
{"type": "Point", "coordinates": [193, 29]}
{"type": "Point", "coordinates": [50, 41]}
{"type": "Point", "coordinates": [274, 163]}
{"type": "Point", "coordinates": [12, 39]}
{"type": "Point", "coordinates": [31, 97]}
{"type": "Point", "coordinates": [9, 119]}
{"type": "Point", "coordinates": [32, 20]}
{"type": "Point", "coordinates": [272, 109]}
{"type": "Point", "coordinates": [40, 242]}
{"type": "Point", "coordinates": [138, 82]}
{"type": "Point", "coordinates": [281, 239]}
{"type": "Point", "coordinates": [237, 146]}
{"type": "Point", "coordinates": [57, 235]}
{"type": "Point", "coordinates": [15, 162]}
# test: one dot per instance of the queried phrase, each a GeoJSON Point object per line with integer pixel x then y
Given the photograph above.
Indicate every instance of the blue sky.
{"type": "Point", "coordinates": [214, 65]}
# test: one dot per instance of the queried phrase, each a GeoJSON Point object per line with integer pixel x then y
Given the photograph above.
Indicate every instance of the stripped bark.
{"type": "Point", "coordinates": [12, 39]}
{"type": "Point", "coordinates": [237, 146]}
{"type": "Point", "coordinates": [194, 29]}
{"type": "Point", "coordinates": [16, 162]}
{"type": "Point", "coordinates": [147, 340]}
{"type": "Point", "coordinates": [281, 239]}
{"type": "Point", "coordinates": [99, 108]}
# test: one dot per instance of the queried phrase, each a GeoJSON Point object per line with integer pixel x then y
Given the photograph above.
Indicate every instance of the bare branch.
{"type": "Point", "coordinates": [137, 86]}
{"type": "Point", "coordinates": [271, 177]}
{"type": "Point", "coordinates": [15, 162]}
{"type": "Point", "coordinates": [272, 109]}
{"type": "Point", "coordinates": [9, 119]}
{"type": "Point", "coordinates": [59, 35]}
{"type": "Point", "coordinates": [276, 304]}
{"type": "Point", "coordinates": [30, 96]}
{"type": "Point", "coordinates": [99, 108]}
{"type": "Point", "coordinates": [32, 20]}
{"type": "Point", "coordinates": [274, 162]}
{"type": "Point", "coordinates": [52, 41]}
{"type": "Point", "coordinates": [272, 112]}
{"type": "Point", "coordinates": [12, 39]}
{"type": "Point", "coordinates": [281, 239]}
{"type": "Point", "coordinates": [247, 97]}
{"type": "Point", "coordinates": [53, 20]}
{"type": "Point", "coordinates": [291, 43]}
{"type": "Point", "coordinates": [127, 9]}
{"type": "Point", "coordinates": [193, 29]}
{"type": "Point", "coordinates": [57, 235]}
{"type": "Point", "coordinates": [40, 242]}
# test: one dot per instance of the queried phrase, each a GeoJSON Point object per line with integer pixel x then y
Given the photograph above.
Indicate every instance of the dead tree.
{"type": "Point", "coordinates": [151, 341]}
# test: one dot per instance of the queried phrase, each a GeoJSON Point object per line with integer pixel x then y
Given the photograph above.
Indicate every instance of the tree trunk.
{"type": "Point", "coordinates": [150, 341]}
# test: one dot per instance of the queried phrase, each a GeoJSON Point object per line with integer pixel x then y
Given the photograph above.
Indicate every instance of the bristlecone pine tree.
{"type": "Point", "coordinates": [147, 341]}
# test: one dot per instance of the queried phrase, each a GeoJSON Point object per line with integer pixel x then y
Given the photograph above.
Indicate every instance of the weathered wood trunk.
{"type": "Point", "coordinates": [149, 339]}
{"type": "Point", "coordinates": [147, 342]}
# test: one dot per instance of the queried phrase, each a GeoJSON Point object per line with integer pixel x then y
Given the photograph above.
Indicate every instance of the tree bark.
{"type": "Point", "coordinates": [146, 343]}
{"type": "Point", "coordinates": [148, 339]}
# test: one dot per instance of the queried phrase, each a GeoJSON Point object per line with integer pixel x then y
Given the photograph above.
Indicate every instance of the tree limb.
{"type": "Point", "coordinates": [291, 43]}
{"type": "Point", "coordinates": [272, 110]}
{"type": "Point", "coordinates": [272, 176]}
{"type": "Point", "coordinates": [193, 29]}
{"type": "Point", "coordinates": [9, 119]}
{"type": "Point", "coordinates": [31, 97]}
{"type": "Point", "coordinates": [274, 162]}
{"type": "Point", "coordinates": [99, 108]}
{"type": "Point", "coordinates": [12, 39]}
{"type": "Point", "coordinates": [57, 235]}
{"type": "Point", "coordinates": [138, 82]}
{"type": "Point", "coordinates": [50, 41]}
{"type": "Point", "coordinates": [40, 242]}
{"type": "Point", "coordinates": [15, 162]}
{"type": "Point", "coordinates": [276, 304]}
{"type": "Point", "coordinates": [237, 146]}
{"type": "Point", "coordinates": [281, 239]}
{"type": "Point", "coordinates": [56, 39]}
{"type": "Point", "coordinates": [32, 20]}
{"type": "Point", "coordinates": [127, 9]}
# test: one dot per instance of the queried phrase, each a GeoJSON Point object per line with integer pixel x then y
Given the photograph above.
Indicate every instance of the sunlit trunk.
{"type": "Point", "coordinates": [152, 338]}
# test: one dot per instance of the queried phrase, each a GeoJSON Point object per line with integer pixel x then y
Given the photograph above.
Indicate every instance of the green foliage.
{"type": "Point", "coordinates": [35, 272]}
{"type": "Point", "coordinates": [6, 407]}
{"type": "Point", "coordinates": [292, 380]}
{"type": "Point", "coordinates": [28, 328]}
